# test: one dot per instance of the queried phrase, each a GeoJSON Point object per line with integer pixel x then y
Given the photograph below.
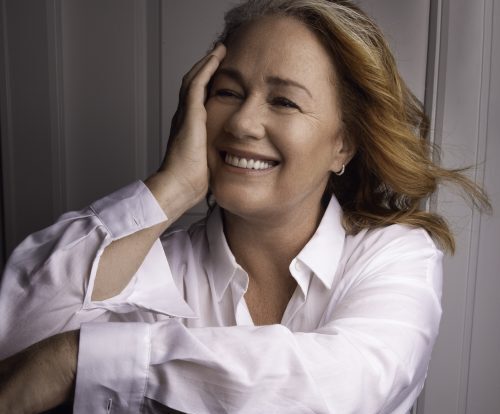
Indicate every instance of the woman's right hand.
{"type": "Point", "coordinates": [184, 170]}
{"type": "Point", "coordinates": [179, 184]}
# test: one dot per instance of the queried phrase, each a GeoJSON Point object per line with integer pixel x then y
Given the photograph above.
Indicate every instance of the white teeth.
{"type": "Point", "coordinates": [246, 163]}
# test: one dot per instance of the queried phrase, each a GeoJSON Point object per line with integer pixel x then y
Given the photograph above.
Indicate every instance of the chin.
{"type": "Point", "coordinates": [242, 204]}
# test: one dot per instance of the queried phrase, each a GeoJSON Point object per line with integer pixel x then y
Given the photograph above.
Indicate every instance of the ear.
{"type": "Point", "coordinates": [343, 151]}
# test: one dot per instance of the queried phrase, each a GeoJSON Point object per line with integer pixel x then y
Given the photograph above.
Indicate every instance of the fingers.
{"type": "Point", "coordinates": [194, 84]}
{"type": "Point", "coordinates": [218, 53]}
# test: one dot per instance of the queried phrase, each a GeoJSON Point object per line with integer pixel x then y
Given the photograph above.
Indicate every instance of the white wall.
{"type": "Point", "coordinates": [80, 101]}
{"type": "Point", "coordinates": [104, 91]}
{"type": "Point", "coordinates": [465, 369]}
{"type": "Point", "coordinates": [25, 119]}
{"type": "Point", "coordinates": [406, 27]}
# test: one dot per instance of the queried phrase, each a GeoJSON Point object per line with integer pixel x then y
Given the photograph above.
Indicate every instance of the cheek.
{"type": "Point", "coordinates": [212, 122]}
{"type": "Point", "coordinates": [217, 116]}
{"type": "Point", "coordinates": [213, 129]}
{"type": "Point", "coordinates": [304, 141]}
{"type": "Point", "coordinates": [310, 153]}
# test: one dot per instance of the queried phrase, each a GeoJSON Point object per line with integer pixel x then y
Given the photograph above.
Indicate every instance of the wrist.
{"type": "Point", "coordinates": [173, 195]}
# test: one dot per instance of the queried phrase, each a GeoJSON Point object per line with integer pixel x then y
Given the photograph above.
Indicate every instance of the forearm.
{"type": "Point", "coordinates": [123, 257]}
{"type": "Point", "coordinates": [40, 377]}
{"type": "Point", "coordinates": [49, 278]}
{"type": "Point", "coordinates": [180, 183]}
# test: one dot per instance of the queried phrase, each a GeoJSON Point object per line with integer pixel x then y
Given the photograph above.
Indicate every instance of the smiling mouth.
{"type": "Point", "coordinates": [248, 163]}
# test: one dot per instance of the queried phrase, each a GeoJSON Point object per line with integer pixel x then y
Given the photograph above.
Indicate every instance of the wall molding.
{"type": "Point", "coordinates": [140, 87]}
{"type": "Point", "coordinates": [433, 65]}
{"type": "Point", "coordinates": [459, 122]}
{"type": "Point", "coordinates": [7, 134]}
{"type": "Point", "coordinates": [154, 79]}
{"type": "Point", "coordinates": [147, 57]}
{"type": "Point", "coordinates": [431, 107]}
{"type": "Point", "coordinates": [475, 225]}
{"type": "Point", "coordinates": [3, 132]}
{"type": "Point", "coordinates": [478, 176]}
{"type": "Point", "coordinates": [58, 135]}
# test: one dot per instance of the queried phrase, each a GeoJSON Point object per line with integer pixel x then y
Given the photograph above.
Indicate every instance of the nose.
{"type": "Point", "coordinates": [247, 121]}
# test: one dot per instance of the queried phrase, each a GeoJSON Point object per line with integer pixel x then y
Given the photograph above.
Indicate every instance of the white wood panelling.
{"type": "Point", "coordinates": [8, 176]}
{"type": "Point", "coordinates": [104, 44]}
{"type": "Point", "coordinates": [484, 365]}
{"type": "Point", "coordinates": [153, 85]}
{"type": "Point", "coordinates": [140, 97]}
{"type": "Point", "coordinates": [3, 130]}
{"type": "Point", "coordinates": [25, 118]}
{"type": "Point", "coordinates": [405, 26]}
{"type": "Point", "coordinates": [56, 85]}
{"type": "Point", "coordinates": [460, 121]}
{"type": "Point", "coordinates": [80, 104]}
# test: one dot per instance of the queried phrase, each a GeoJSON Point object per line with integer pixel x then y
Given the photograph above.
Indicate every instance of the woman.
{"type": "Point", "coordinates": [313, 285]}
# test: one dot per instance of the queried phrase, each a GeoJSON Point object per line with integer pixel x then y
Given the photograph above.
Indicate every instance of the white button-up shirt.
{"type": "Point", "coordinates": [356, 336]}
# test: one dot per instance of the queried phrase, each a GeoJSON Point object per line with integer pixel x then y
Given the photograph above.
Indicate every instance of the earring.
{"type": "Point", "coordinates": [342, 171]}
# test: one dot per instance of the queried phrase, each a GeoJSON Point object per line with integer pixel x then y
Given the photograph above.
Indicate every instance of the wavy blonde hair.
{"type": "Point", "coordinates": [392, 171]}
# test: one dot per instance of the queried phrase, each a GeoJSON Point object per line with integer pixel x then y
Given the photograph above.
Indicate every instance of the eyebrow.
{"type": "Point", "coordinates": [273, 80]}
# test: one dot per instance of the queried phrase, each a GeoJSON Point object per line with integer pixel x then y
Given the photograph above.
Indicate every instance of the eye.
{"type": "Point", "coordinates": [284, 103]}
{"type": "Point", "coordinates": [226, 93]}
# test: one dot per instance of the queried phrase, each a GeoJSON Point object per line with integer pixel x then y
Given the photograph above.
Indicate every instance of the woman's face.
{"type": "Point", "coordinates": [274, 129]}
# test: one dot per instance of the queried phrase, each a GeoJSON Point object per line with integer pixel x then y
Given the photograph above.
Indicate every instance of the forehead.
{"type": "Point", "coordinates": [279, 46]}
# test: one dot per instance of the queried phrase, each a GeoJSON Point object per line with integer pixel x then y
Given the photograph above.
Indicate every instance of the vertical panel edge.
{"type": "Point", "coordinates": [56, 80]}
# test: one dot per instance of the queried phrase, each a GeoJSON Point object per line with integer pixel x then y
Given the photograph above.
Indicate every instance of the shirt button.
{"type": "Point", "coordinates": [299, 266]}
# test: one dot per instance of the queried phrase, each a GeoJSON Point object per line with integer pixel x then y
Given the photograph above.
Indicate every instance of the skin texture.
{"type": "Point", "coordinates": [41, 377]}
{"type": "Point", "coordinates": [269, 215]}
{"type": "Point", "coordinates": [256, 109]}
{"type": "Point", "coordinates": [255, 114]}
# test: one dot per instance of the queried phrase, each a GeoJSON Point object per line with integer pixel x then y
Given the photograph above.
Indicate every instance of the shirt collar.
{"type": "Point", "coordinates": [224, 264]}
{"type": "Point", "coordinates": [321, 254]}
{"type": "Point", "coordinates": [323, 251]}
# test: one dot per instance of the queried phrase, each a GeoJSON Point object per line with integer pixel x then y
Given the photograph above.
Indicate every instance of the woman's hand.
{"type": "Point", "coordinates": [185, 165]}
{"type": "Point", "coordinates": [40, 377]}
{"type": "Point", "coordinates": [179, 184]}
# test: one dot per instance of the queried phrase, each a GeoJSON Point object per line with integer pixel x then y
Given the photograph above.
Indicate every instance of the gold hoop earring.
{"type": "Point", "coordinates": [342, 171]}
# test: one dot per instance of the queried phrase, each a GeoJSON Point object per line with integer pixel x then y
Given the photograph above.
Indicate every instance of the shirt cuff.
{"type": "Point", "coordinates": [130, 209]}
{"type": "Point", "coordinates": [126, 211]}
{"type": "Point", "coordinates": [113, 366]}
